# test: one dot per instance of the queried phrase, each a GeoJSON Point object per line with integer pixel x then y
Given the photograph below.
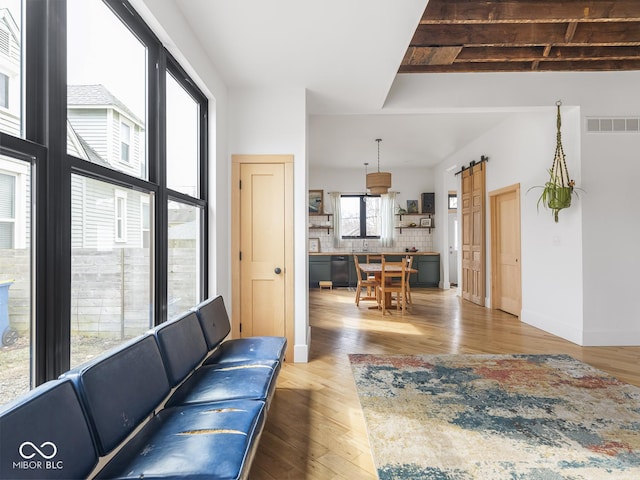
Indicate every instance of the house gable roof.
{"type": "Point", "coordinates": [98, 95]}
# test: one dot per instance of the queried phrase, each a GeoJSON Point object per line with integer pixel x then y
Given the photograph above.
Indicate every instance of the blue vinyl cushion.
{"type": "Point", "coordinates": [213, 441]}
{"type": "Point", "coordinates": [44, 434]}
{"type": "Point", "coordinates": [249, 349]}
{"type": "Point", "coordinates": [121, 388]}
{"type": "Point", "coordinates": [214, 320]}
{"type": "Point", "coordinates": [182, 346]}
{"type": "Point", "coordinates": [214, 383]}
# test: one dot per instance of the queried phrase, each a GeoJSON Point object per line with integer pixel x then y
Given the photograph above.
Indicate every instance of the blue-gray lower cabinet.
{"type": "Point", "coordinates": [319, 269]}
{"type": "Point", "coordinates": [428, 267]}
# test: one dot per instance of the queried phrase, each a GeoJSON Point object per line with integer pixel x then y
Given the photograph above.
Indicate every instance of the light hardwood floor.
{"type": "Point", "coordinates": [315, 428]}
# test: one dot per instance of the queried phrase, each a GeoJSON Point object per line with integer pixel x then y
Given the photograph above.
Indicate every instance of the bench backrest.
{"type": "Point", "coordinates": [121, 388]}
{"type": "Point", "coordinates": [214, 320]}
{"type": "Point", "coordinates": [44, 434]}
{"type": "Point", "coordinates": [182, 346]}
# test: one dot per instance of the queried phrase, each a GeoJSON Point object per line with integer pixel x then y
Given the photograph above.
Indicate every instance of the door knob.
{"type": "Point", "coordinates": [277, 270]}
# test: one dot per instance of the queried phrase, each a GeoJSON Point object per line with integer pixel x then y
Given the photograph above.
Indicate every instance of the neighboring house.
{"type": "Point", "coordinates": [108, 127]}
{"type": "Point", "coordinates": [103, 130]}
{"type": "Point", "coordinates": [9, 74]}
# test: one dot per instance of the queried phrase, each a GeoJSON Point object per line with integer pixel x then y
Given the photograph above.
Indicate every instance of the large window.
{"type": "Point", "coordinates": [110, 278]}
{"type": "Point", "coordinates": [100, 238]}
{"type": "Point", "coordinates": [106, 93]}
{"type": "Point", "coordinates": [182, 139]}
{"type": "Point", "coordinates": [184, 258]}
{"type": "Point", "coordinates": [360, 215]}
{"type": "Point", "coordinates": [15, 277]}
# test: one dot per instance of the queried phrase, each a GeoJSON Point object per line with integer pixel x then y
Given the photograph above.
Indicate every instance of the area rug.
{"type": "Point", "coordinates": [517, 417]}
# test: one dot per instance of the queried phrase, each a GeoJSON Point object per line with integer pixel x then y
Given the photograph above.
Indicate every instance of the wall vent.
{"type": "Point", "coordinates": [613, 125]}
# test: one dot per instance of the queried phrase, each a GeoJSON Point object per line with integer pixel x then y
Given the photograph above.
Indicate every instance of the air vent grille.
{"type": "Point", "coordinates": [613, 125]}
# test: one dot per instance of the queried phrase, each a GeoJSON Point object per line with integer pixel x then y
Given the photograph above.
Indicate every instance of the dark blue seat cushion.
{"type": "Point", "coordinates": [182, 346]}
{"type": "Point", "coordinates": [214, 383]}
{"type": "Point", "coordinates": [44, 434]}
{"type": "Point", "coordinates": [249, 350]}
{"type": "Point", "coordinates": [121, 388]}
{"type": "Point", "coordinates": [215, 441]}
{"type": "Point", "coordinates": [214, 320]}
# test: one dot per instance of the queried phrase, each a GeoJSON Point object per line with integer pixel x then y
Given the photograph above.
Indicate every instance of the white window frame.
{"type": "Point", "coordinates": [145, 202]}
{"type": "Point", "coordinates": [20, 172]}
{"type": "Point", "coordinates": [128, 143]}
{"type": "Point", "coordinates": [7, 92]}
{"type": "Point", "coordinates": [120, 220]}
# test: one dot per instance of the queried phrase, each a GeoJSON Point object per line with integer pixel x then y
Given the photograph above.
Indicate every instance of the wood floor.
{"type": "Point", "coordinates": [315, 428]}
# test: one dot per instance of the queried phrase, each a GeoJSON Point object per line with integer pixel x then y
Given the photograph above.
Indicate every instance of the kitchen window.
{"type": "Point", "coordinates": [360, 216]}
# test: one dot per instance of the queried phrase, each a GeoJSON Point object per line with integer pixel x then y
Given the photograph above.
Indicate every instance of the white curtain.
{"type": "Point", "coordinates": [387, 219]}
{"type": "Point", "coordinates": [337, 218]}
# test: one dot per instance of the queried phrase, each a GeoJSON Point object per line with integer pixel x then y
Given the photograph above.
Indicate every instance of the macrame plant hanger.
{"type": "Point", "coordinates": [560, 185]}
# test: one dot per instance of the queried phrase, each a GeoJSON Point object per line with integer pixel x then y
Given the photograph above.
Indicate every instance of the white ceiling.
{"type": "Point", "coordinates": [346, 54]}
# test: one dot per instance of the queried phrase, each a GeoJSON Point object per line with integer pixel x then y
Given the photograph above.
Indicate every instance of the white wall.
{"type": "Point", "coordinates": [604, 295]}
{"type": "Point", "coordinates": [611, 231]}
{"type": "Point", "coordinates": [520, 150]}
{"type": "Point", "coordinates": [274, 121]}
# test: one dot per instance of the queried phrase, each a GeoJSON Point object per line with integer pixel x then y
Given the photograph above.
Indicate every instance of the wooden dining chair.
{"type": "Point", "coordinates": [373, 258]}
{"type": "Point", "coordinates": [370, 283]}
{"type": "Point", "coordinates": [407, 285]}
{"type": "Point", "coordinates": [392, 271]}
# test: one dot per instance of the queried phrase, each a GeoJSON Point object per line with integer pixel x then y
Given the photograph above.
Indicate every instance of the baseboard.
{"type": "Point", "coordinates": [301, 352]}
{"type": "Point", "coordinates": [611, 338]}
{"type": "Point", "coordinates": [552, 326]}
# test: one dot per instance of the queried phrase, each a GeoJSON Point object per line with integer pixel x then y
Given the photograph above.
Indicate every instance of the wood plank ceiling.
{"type": "Point", "coordinates": [525, 35]}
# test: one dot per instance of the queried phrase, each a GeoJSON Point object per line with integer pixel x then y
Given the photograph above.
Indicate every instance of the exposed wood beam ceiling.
{"type": "Point", "coordinates": [525, 35]}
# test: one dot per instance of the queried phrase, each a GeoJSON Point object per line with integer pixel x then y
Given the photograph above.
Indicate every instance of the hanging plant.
{"type": "Point", "coordinates": [557, 191]}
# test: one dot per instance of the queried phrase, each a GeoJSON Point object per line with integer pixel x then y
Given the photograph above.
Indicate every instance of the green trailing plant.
{"type": "Point", "coordinates": [558, 190]}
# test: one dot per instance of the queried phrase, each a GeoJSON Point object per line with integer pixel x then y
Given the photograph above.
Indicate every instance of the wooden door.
{"type": "Point", "coordinates": [506, 291]}
{"type": "Point", "coordinates": [473, 234]}
{"type": "Point", "coordinates": [262, 246]}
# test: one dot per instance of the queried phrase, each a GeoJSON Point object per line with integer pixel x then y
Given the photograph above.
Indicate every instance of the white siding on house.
{"type": "Point", "coordinates": [91, 125]}
{"type": "Point", "coordinates": [93, 215]}
{"type": "Point", "coordinates": [133, 166]}
{"type": "Point", "coordinates": [78, 202]}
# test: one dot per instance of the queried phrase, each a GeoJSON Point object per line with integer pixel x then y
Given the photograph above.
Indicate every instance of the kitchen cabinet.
{"type": "Point", "coordinates": [319, 269]}
{"type": "Point", "coordinates": [428, 267]}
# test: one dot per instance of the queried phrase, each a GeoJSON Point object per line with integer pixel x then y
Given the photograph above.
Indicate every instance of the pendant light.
{"type": "Point", "coordinates": [378, 182]}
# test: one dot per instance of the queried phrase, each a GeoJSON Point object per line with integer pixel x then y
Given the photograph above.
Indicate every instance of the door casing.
{"type": "Point", "coordinates": [288, 269]}
{"type": "Point", "coordinates": [506, 268]}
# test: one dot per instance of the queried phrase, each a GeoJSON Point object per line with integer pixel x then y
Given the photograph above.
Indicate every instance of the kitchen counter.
{"type": "Point", "coordinates": [373, 253]}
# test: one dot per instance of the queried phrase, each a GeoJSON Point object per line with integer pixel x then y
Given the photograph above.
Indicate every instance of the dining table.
{"type": "Point", "coordinates": [375, 269]}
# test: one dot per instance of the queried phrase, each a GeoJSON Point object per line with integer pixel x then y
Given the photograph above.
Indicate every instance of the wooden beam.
{"type": "Point", "coordinates": [549, 11]}
{"type": "Point", "coordinates": [459, 67]}
{"type": "Point", "coordinates": [571, 30]}
{"type": "Point", "coordinates": [433, 55]}
{"type": "Point", "coordinates": [603, 34]}
{"type": "Point", "coordinates": [531, 54]}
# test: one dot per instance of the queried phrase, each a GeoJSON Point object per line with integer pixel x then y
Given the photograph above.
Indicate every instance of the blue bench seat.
{"type": "Point", "coordinates": [45, 434]}
{"type": "Point", "coordinates": [215, 441]}
{"type": "Point", "coordinates": [183, 347]}
{"type": "Point", "coordinates": [215, 323]}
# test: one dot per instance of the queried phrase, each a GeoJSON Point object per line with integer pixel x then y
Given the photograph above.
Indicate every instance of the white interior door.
{"type": "Point", "coordinates": [454, 248]}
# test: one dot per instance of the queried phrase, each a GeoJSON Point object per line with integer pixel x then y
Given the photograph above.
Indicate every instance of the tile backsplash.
{"type": "Point", "coordinates": [420, 238]}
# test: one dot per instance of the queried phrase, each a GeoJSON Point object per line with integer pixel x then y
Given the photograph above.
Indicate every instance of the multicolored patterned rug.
{"type": "Point", "coordinates": [517, 417]}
